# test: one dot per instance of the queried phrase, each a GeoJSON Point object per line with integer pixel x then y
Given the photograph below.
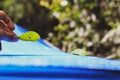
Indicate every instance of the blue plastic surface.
{"type": "Point", "coordinates": [37, 60]}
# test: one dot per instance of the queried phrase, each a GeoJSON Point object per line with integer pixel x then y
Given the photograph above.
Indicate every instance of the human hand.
{"type": "Point", "coordinates": [6, 29]}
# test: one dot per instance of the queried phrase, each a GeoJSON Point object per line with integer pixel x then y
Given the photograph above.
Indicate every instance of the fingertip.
{"type": "Point", "coordinates": [2, 12]}
{"type": "Point", "coordinates": [15, 39]}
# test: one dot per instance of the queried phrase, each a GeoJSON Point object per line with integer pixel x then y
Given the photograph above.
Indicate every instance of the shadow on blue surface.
{"type": "Point", "coordinates": [37, 60]}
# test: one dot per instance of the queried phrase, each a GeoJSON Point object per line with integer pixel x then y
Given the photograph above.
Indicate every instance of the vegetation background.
{"type": "Point", "coordinates": [92, 25]}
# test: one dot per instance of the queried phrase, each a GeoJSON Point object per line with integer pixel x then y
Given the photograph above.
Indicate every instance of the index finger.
{"type": "Point", "coordinates": [7, 20]}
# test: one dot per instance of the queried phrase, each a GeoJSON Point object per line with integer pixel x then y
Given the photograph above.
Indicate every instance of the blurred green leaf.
{"type": "Point", "coordinates": [80, 52]}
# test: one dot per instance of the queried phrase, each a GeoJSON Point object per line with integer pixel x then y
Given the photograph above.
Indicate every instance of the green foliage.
{"type": "Point", "coordinates": [79, 21]}
{"type": "Point", "coordinates": [85, 24]}
{"type": "Point", "coordinates": [80, 52]}
{"type": "Point", "coordinates": [13, 8]}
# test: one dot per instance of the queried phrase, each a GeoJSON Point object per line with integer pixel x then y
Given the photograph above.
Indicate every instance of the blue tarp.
{"type": "Point", "coordinates": [37, 60]}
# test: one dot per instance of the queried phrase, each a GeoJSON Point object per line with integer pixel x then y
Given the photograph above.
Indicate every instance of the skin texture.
{"type": "Point", "coordinates": [6, 29]}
